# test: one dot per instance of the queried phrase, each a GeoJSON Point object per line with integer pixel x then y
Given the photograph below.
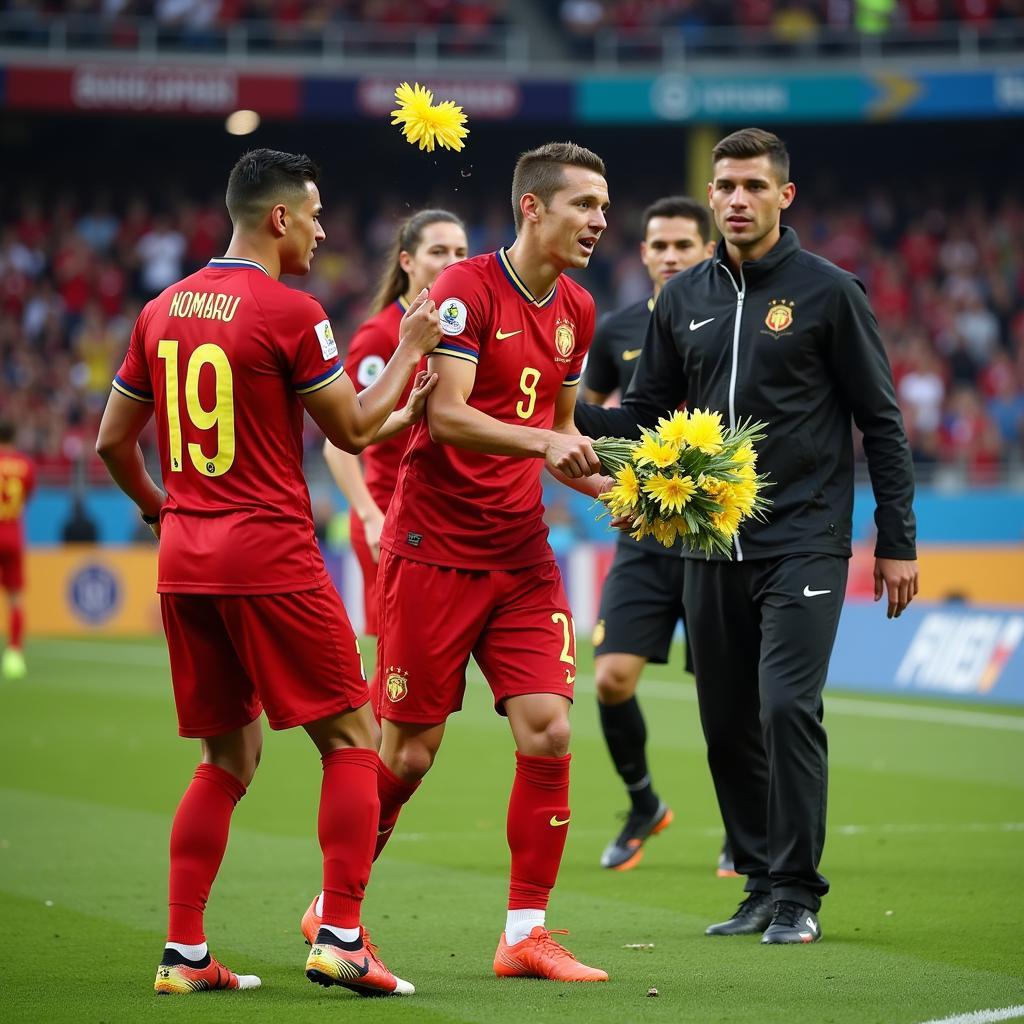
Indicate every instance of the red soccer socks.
{"type": "Point", "coordinates": [199, 837]}
{"type": "Point", "coordinates": [538, 821]}
{"type": "Point", "coordinates": [349, 809]}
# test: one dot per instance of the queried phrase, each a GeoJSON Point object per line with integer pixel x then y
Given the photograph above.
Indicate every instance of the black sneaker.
{"type": "Point", "coordinates": [791, 922]}
{"type": "Point", "coordinates": [751, 918]}
{"type": "Point", "coordinates": [626, 849]}
{"type": "Point", "coordinates": [726, 865]}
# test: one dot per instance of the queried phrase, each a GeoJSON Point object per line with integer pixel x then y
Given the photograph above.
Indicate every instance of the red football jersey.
{"type": "Point", "coordinates": [17, 481]}
{"type": "Point", "coordinates": [370, 349]}
{"type": "Point", "coordinates": [462, 508]}
{"type": "Point", "coordinates": [225, 355]}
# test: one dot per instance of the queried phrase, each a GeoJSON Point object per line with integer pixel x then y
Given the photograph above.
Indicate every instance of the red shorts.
{"type": "Point", "coordinates": [515, 623]}
{"type": "Point", "coordinates": [232, 656]}
{"type": "Point", "coordinates": [368, 567]}
{"type": "Point", "coordinates": [12, 569]}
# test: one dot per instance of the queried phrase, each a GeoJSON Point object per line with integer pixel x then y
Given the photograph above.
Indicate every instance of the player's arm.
{"type": "Point", "coordinates": [599, 377]}
{"type": "Point", "coordinates": [117, 444]}
{"type": "Point", "coordinates": [452, 420]}
{"type": "Point", "coordinates": [350, 421]}
{"type": "Point", "coordinates": [564, 423]}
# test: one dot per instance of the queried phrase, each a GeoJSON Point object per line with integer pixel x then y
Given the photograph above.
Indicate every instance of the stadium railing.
{"type": "Point", "coordinates": [419, 46]}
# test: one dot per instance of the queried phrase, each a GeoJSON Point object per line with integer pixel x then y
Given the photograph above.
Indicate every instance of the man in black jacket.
{"type": "Point", "coordinates": [767, 331]}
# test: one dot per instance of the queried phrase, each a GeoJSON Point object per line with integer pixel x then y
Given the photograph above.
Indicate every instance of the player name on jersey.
{"type": "Point", "coordinates": [204, 306]}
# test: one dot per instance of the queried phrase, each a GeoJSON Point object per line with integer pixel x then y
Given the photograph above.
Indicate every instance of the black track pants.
{"type": "Point", "coordinates": [762, 634]}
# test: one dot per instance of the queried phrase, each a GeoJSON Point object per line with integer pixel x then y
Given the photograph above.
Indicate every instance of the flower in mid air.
{"type": "Point", "coordinates": [704, 431]}
{"type": "Point", "coordinates": [651, 451]}
{"type": "Point", "coordinates": [673, 429]}
{"type": "Point", "coordinates": [670, 492]}
{"type": "Point", "coordinates": [425, 124]}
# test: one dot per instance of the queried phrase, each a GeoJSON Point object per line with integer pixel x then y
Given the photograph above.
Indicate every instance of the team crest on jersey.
{"type": "Point", "coordinates": [597, 637]}
{"type": "Point", "coordinates": [396, 683]}
{"type": "Point", "coordinates": [369, 369]}
{"type": "Point", "coordinates": [565, 339]}
{"type": "Point", "coordinates": [453, 316]}
{"type": "Point", "coordinates": [779, 318]}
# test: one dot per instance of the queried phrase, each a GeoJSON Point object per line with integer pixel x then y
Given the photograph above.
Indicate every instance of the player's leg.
{"type": "Point", "coordinates": [12, 580]}
{"type": "Point", "coordinates": [304, 657]}
{"type": "Point", "coordinates": [216, 703]}
{"type": "Point", "coordinates": [423, 649]}
{"type": "Point", "coordinates": [797, 637]}
{"type": "Point", "coordinates": [641, 603]}
{"type": "Point", "coordinates": [528, 655]}
{"type": "Point", "coordinates": [725, 630]}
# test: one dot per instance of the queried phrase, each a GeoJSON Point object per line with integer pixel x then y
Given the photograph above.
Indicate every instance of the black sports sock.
{"type": "Point", "coordinates": [626, 735]}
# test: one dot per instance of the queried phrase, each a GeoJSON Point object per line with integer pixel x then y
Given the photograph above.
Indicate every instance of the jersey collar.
{"type": "Point", "coordinates": [401, 303]}
{"type": "Point", "coordinates": [517, 283]}
{"type": "Point", "coordinates": [236, 263]}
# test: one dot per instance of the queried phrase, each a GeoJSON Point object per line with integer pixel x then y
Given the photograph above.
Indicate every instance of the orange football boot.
{"type": "Point", "coordinates": [540, 956]}
{"type": "Point", "coordinates": [311, 922]}
{"type": "Point", "coordinates": [178, 976]}
{"type": "Point", "coordinates": [357, 968]}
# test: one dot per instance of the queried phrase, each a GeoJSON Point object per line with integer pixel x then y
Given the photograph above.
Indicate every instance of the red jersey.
{"type": "Point", "coordinates": [470, 510]}
{"type": "Point", "coordinates": [370, 349]}
{"type": "Point", "coordinates": [17, 481]}
{"type": "Point", "coordinates": [225, 355]}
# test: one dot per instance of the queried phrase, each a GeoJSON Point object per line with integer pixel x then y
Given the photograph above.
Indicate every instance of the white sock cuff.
{"type": "Point", "coordinates": [519, 924]}
{"type": "Point", "coordinates": [196, 952]}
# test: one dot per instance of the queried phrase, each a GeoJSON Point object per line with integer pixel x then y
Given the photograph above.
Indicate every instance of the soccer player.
{"type": "Point", "coordinates": [642, 598]}
{"type": "Point", "coordinates": [427, 243]}
{"type": "Point", "coordinates": [17, 480]}
{"type": "Point", "coordinates": [227, 359]}
{"type": "Point", "coordinates": [465, 528]}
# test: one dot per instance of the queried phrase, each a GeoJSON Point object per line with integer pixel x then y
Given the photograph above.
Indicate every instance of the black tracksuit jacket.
{"type": "Point", "coordinates": [790, 340]}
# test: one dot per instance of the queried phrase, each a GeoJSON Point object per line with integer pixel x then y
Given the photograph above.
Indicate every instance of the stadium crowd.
{"type": "Point", "coordinates": [792, 19]}
{"type": "Point", "coordinates": [945, 280]}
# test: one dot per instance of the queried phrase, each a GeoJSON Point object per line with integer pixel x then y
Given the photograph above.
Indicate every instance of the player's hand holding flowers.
{"type": "Point", "coordinates": [420, 328]}
{"type": "Point", "coordinates": [690, 478]}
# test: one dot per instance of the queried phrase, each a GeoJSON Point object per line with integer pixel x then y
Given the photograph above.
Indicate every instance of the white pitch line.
{"type": "Point", "coordinates": [981, 1016]}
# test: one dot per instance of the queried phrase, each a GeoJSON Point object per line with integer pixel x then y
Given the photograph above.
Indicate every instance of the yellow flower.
{"type": "Point", "coordinates": [425, 124]}
{"type": "Point", "coordinates": [643, 529]}
{"type": "Point", "coordinates": [664, 531]}
{"type": "Point", "coordinates": [651, 451]}
{"type": "Point", "coordinates": [704, 431]}
{"type": "Point", "coordinates": [745, 455]}
{"type": "Point", "coordinates": [744, 491]}
{"type": "Point", "coordinates": [626, 479]}
{"type": "Point", "coordinates": [673, 430]}
{"type": "Point", "coordinates": [682, 527]}
{"type": "Point", "coordinates": [670, 492]}
{"type": "Point", "coordinates": [727, 521]}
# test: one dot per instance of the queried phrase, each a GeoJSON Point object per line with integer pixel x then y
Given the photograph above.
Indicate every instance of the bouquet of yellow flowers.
{"type": "Point", "coordinates": [689, 478]}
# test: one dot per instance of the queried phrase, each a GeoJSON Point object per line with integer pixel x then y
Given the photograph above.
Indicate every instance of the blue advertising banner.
{"type": "Point", "coordinates": [939, 650]}
{"type": "Point", "coordinates": [878, 96]}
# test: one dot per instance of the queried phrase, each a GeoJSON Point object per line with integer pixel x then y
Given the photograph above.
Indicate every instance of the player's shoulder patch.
{"type": "Point", "coordinates": [325, 336]}
{"type": "Point", "coordinates": [453, 316]}
{"type": "Point", "coordinates": [369, 369]}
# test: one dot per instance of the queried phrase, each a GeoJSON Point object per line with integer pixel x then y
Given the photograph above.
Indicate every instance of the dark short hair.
{"type": "Point", "coordinates": [264, 177]}
{"type": "Point", "coordinates": [540, 172]}
{"type": "Point", "coordinates": [680, 206]}
{"type": "Point", "coordinates": [6, 431]}
{"type": "Point", "coordinates": [750, 142]}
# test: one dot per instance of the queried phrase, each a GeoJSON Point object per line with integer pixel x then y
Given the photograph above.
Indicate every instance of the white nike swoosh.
{"type": "Point", "coordinates": [694, 326]}
{"type": "Point", "coordinates": [815, 593]}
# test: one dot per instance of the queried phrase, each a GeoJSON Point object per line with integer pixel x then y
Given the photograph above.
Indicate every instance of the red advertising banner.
{"type": "Point", "coordinates": [159, 90]}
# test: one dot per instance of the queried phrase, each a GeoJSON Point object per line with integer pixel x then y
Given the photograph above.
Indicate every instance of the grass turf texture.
{"type": "Point", "coordinates": [924, 853]}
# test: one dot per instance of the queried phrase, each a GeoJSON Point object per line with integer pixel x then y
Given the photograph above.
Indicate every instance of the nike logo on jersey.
{"type": "Point", "coordinates": [694, 326]}
{"type": "Point", "coordinates": [502, 335]}
{"type": "Point", "coordinates": [815, 593]}
{"type": "Point", "coordinates": [555, 823]}
{"type": "Point", "coordinates": [630, 354]}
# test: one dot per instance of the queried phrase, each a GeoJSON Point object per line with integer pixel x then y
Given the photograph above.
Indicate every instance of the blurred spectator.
{"type": "Point", "coordinates": [80, 527]}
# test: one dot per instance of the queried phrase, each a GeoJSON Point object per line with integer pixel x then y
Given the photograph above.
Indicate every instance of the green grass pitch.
{"type": "Point", "coordinates": [925, 851]}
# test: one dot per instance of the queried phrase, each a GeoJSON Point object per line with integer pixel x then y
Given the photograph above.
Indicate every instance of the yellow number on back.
{"type": "Point", "coordinates": [221, 416]}
{"type": "Point", "coordinates": [528, 386]}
